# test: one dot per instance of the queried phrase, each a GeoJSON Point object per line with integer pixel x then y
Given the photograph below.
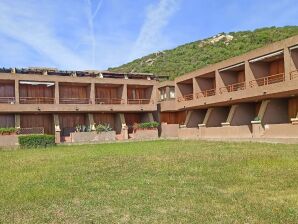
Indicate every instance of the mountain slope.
{"type": "Point", "coordinates": [195, 55]}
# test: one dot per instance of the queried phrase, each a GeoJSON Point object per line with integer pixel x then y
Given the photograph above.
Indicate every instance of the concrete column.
{"type": "Point", "coordinates": [92, 93]}
{"type": "Point", "coordinates": [17, 92]}
{"type": "Point", "coordinates": [57, 96]}
{"type": "Point", "coordinates": [202, 129]}
{"type": "Point", "coordinates": [57, 129]}
{"type": "Point", "coordinates": [288, 63]}
{"type": "Point", "coordinates": [263, 108]}
{"type": "Point", "coordinates": [248, 74]}
{"type": "Point", "coordinates": [124, 94]}
{"type": "Point", "coordinates": [257, 129]}
{"type": "Point", "coordinates": [207, 116]}
{"type": "Point", "coordinates": [91, 122]}
{"type": "Point", "coordinates": [17, 121]}
{"type": "Point", "coordinates": [121, 126]}
{"type": "Point", "coordinates": [188, 116]}
{"type": "Point", "coordinates": [230, 116]}
{"type": "Point", "coordinates": [154, 95]}
{"type": "Point", "coordinates": [196, 87]}
{"type": "Point", "coordinates": [218, 80]}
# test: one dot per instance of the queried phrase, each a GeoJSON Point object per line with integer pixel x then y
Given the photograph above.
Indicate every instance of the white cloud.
{"type": "Point", "coordinates": [157, 18]}
{"type": "Point", "coordinates": [31, 25]}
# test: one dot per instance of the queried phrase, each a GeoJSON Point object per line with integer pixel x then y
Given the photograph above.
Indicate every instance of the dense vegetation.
{"type": "Point", "coordinates": [36, 141]}
{"type": "Point", "coordinates": [151, 182]}
{"type": "Point", "coordinates": [192, 56]}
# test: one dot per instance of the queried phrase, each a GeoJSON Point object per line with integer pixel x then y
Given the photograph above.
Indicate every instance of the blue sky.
{"type": "Point", "coordinates": [97, 34]}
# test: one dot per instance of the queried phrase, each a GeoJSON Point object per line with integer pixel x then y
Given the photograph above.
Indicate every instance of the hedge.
{"type": "Point", "coordinates": [36, 141]}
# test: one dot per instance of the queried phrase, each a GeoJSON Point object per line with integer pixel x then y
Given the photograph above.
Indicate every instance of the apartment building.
{"type": "Point", "coordinates": [44, 100]}
{"type": "Point", "coordinates": [254, 95]}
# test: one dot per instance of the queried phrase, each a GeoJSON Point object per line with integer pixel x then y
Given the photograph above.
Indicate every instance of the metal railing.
{"type": "Point", "coordinates": [30, 131]}
{"type": "Point", "coordinates": [74, 101]}
{"type": "Point", "coordinates": [7, 100]}
{"type": "Point", "coordinates": [187, 97]}
{"type": "Point", "coordinates": [294, 74]}
{"type": "Point", "coordinates": [139, 101]}
{"type": "Point", "coordinates": [268, 80]}
{"type": "Point", "coordinates": [37, 100]}
{"type": "Point", "coordinates": [232, 88]}
{"type": "Point", "coordinates": [206, 93]}
{"type": "Point", "coordinates": [108, 101]}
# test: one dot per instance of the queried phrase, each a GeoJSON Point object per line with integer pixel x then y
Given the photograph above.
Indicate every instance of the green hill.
{"type": "Point", "coordinates": [195, 55]}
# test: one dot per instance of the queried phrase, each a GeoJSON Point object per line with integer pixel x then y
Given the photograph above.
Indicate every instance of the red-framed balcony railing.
{"type": "Point", "coordinates": [268, 80]}
{"type": "Point", "coordinates": [37, 100]}
{"type": "Point", "coordinates": [232, 88]}
{"type": "Point", "coordinates": [109, 101]}
{"type": "Point", "coordinates": [187, 97]}
{"type": "Point", "coordinates": [139, 101]}
{"type": "Point", "coordinates": [7, 100]}
{"type": "Point", "coordinates": [74, 101]}
{"type": "Point", "coordinates": [206, 93]}
{"type": "Point", "coordinates": [294, 74]}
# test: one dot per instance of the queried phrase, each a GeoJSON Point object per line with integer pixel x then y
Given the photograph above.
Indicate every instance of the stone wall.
{"type": "Point", "coordinates": [145, 134]}
{"type": "Point", "coordinates": [85, 137]}
{"type": "Point", "coordinates": [9, 140]}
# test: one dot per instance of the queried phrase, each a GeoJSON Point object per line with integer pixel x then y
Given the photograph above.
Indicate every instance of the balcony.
{"type": "Point", "coordinates": [139, 101]}
{"type": "Point", "coordinates": [187, 97]}
{"type": "Point", "coordinates": [36, 92]}
{"type": "Point", "coordinates": [37, 100]}
{"type": "Point", "coordinates": [232, 88]}
{"type": "Point", "coordinates": [268, 80]}
{"type": "Point", "coordinates": [206, 93]}
{"type": "Point", "coordinates": [7, 100]}
{"type": "Point", "coordinates": [7, 92]}
{"type": "Point", "coordinates": [110, 101]}
{"type": "Point", "coordinates": [75, 101]}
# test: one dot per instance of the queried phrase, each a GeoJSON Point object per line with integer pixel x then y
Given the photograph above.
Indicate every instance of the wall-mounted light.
{"type": "Point", "coordinates": [265, 92]}
{"type": "Point", "coordinates": [38, 108]}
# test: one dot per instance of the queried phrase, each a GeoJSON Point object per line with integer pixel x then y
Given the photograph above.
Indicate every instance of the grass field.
{"type": "Point", "coordinates": [151, 182]}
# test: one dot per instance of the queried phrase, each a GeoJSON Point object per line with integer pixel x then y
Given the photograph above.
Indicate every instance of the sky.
{"type": "Point", "coordinates": [98, 34]}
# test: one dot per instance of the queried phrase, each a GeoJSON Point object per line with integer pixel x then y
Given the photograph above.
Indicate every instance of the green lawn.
{"type": "Point", "coordinates": [151, 182]}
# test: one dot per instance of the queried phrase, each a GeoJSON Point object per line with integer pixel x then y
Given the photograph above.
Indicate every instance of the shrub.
{"type": "Point", "coordinates": [103, 128]}
{"type": "Point", "coordinates": [36, 141]}
{"type": "Point", "coordinates": [145, 125]}
{"type": "Point", "coordinates": [82, 128]}
{"type": "Point", "coordinates": [7, 131]}
{"type": "Point", "coordinates": [257, 119]}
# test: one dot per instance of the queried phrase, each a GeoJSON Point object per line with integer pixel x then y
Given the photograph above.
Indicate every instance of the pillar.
{"type": "Point", "coordinates": [57, 129]}
{"type": "Point", "coordinates": [17, 91]}
{"type": "Point", "coordinates": [17, 121]}
{"type": "Point", "coordinates": [230, 116]}
{"type": "Point", "coordinates": [257, 129]}
{"type": "Point", "coordinates": [124, 94]}
{"type": "Point", "coordinates": [91, 123]}
{"type": "Point", "coordinates": [288, 63]}
{"type": "Point", "coordinates": [57, 96]}
{"type": "Point", "coordinates": [92, 93]}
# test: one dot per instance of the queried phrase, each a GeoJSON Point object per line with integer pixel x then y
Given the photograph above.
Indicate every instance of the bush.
{"type": "Point", "coordinates": [7, 131]}
{"type": "Point", "coordinates": [82, 128]}
{"type": "Point", "coordinates": [146, 125]}
{"type": "Point", "coordinates": [103, 128]}
{"type": "Point", "coordinates": [36, 141]}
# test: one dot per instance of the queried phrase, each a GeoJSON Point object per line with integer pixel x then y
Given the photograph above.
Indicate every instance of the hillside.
{"type": "Point", "coordinates": [195, 55]}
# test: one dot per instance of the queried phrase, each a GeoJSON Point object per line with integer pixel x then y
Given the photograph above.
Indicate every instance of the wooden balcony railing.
{"type": "Point", "coordinates": [294, 75]}
{"type": "Point", "coordinates": [232, 88]}
{"type": "Point", "coordinates": [187, 97]}
{"type": "Point", "coordinates": [268, 80]}
{"type": "Point", "coordinates": [37, 100]}
{"type": "Point", "coordinates": [206, 93]}
{"type": "Point", "coordinates": [7, 100]}
{"type": "Point", "coordinates": [139, 101]}
{"type": "Point", "coordinates": [108, 101]}
{"type": "Point", "coordinates": [74, 101]}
